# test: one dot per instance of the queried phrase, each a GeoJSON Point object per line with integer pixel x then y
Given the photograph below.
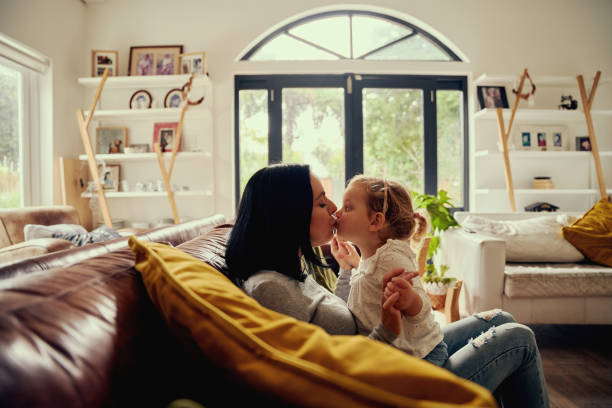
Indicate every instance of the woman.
{"type": "Point", "coordinates": [284, 213]}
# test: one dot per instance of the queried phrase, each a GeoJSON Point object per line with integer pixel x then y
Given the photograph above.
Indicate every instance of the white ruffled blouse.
{"type": "Point", "coordinates": [420, 333]}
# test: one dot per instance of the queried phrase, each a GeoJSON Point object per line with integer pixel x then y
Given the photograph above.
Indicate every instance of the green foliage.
{"type": "Point", "coordinates": [441, 219]}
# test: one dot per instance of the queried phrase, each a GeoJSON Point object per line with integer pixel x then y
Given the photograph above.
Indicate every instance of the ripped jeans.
{"type": "Point", "coordinates": [492, 350]}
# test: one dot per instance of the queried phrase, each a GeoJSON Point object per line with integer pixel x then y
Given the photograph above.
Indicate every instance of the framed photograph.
{"type": "Point", "coordinates": [164, 133]}
{"type": "Point", "coordinates": [558, 138]}
{"type": "Point", "coordinates": [583, 143]}
{"type": "Point", "coordinates": [101, 59]}
{"type": "Point", "coordinates": [154, 60]}
{"type": "Point", "coordinates": [526, 138]}
{"type": "Point", "coordinates": [541, 137]}
{"type": "Point", "coordinates": [110, 140]}
{"type": "Point", "coordinates": [141, 99]}
{"type": "Point", "coordinates": [173, 98]}
{"type": "Point", "coordinates": [109, 176]}
{"type": "Point", "coordinates": [194, 62]}
{"type": "Point", "coordinates": [492, 97]}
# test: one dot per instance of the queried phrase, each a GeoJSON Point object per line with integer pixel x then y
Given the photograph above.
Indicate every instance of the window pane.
{"type": "Point", "coordinates": [370, 33]}
{"type": "Point", "coordinates": [285, 48]}
{"type": "Point", "coordinates": [10, 140]}
{"type": "Point", "coordinates": [313, 133]}
{"type": "Point", "coordinates": [450, 144]}
{"type": "Point", "coordinates": [413, 48]}
{"type": "Point", "coordinates": [253, 132]}
{"type": "Point", "coordinates": [393, 135]}
{"type": "Point", "coordinates": [332, 33]}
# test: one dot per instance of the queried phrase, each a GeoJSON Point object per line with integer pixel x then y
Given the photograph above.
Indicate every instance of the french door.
{"type": "Point", "coordinates": [408, 128]}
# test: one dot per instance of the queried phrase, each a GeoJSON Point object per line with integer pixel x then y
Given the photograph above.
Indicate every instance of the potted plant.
{"type": "Point", "coordinates": [435, 282]}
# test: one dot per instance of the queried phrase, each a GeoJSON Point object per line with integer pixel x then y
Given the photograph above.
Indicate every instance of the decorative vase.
{"type": "Point", "coordinates": [437, 293]}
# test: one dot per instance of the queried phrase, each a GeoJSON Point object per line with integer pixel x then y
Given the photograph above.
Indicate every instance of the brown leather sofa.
{"type": "Point", "coordinates": [77, 329]}
{"type": "Point", "coordinates": [13, 247]}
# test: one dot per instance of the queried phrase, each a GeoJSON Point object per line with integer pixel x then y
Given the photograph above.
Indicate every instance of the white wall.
{"type": "Point", "coordinates": [550, 37]}
{"type": "Point", "coordinates": [57, 29]}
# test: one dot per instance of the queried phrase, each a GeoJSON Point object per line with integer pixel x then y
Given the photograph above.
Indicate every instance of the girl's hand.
{"type": "Point", "coordinates": [345, 254]}
{"type": "Point", "coordinates": [409, 301]}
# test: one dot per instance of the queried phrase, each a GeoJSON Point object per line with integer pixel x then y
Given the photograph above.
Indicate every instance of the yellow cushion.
{"type": "Point", "coordinates": [295, 361]}
{"type": "Point", "coordinates": [592, 234]}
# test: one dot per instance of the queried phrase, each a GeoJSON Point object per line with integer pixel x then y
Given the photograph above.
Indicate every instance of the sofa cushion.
{"type": "Point", "coordinates": [34, 231]}
{"type": "Point", "coordinates": [294, 361]}
{"type": "Point", "coordinates": [29, 249]}
{"type": "Point", "coordinates": [592, 234]}
{"type": "Point", "coordinates": [535, 239]}
{"type": "Point", "coordinates": [531, 280]}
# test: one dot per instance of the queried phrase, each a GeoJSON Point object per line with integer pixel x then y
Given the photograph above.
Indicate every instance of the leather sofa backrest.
{"type": "Point", "coordinates": [13, 220]}
{"type": "Point", "coordinates": [173, 234]}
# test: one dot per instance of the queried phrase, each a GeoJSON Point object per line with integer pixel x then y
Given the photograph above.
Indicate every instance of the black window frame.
{"type": "Point", "coordinates": [353, 85]}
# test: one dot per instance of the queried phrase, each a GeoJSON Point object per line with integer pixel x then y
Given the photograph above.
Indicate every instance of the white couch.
{"type": "Point", "coordinates": [547, 293]}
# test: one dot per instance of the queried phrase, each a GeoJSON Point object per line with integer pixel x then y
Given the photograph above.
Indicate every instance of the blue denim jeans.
{"type": "Point", "coordinates": [492, 350]}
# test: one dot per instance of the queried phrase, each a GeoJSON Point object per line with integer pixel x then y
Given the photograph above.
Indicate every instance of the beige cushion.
{"type": "Point", "coordinates": [535, 239]}
{"type": "Point", "coordinates": [29, 249]}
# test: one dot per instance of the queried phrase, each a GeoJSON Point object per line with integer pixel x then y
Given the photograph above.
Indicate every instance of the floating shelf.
{"type": "Point", "coordinates": [149, 81]}
{"type": "Point", "coordinates": [147, 156]}
{"type": "Point", "coordinates": [549, 80]}
{"type": "Point", "coordinates": [150, 194]}
{"type": "Point", "coordinates": [532, 191]}
{"type": "Point", "coordinates": [145, 114]}
{"type": "Point", "coordinates": [549, 154]}
{"type": "Point", "coordinates": [540, 115]}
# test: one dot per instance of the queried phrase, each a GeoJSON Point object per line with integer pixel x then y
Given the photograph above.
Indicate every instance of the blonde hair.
{"type": "Point", "coordinates": [392, 200]}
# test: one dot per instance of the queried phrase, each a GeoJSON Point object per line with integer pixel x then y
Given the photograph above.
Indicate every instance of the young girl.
{"type": "Point", "coordinates": [377, 216]}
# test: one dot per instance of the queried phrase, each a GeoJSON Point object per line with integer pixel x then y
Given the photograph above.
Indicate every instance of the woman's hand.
{"type": "Point", "coordinates": [345, 254]}
{"type": "Point", "coordinates": [391, 317]}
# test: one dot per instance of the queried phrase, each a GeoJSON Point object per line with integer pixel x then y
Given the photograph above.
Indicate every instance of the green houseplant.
{"type": "Point", "coordinates": [441, 219]}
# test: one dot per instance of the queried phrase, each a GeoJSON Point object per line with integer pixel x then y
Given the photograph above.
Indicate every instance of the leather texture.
{"type": "Point", "coordinates": [13, 220]}
{"type": "Point", "coordinates": [77, 329]}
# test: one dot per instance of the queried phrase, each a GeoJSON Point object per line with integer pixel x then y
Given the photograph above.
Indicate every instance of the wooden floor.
{"type": "Point", "coordinates": [577, 364]}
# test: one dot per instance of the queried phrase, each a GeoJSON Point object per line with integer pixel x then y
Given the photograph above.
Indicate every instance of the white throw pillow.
{"type": "Point", "coordinates": [33, 231]}
{"type": "Point", "coordinates": [535, 239]}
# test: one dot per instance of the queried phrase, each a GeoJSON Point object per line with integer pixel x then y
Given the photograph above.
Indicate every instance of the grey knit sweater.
{"type": "Point", "coordinates": [310, 302]}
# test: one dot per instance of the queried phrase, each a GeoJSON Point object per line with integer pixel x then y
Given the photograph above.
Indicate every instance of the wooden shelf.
{"type": "Point", "coordinates": [531, 154]}
{"type": "Point", "coordinates": [540, 115]}
{"type": "Point", "coordinates": [548, 80]}
{"type": "Point", "coordinates": [150, 194]}
{"type": "Point", "coordinates": [533, 191]}
{"type": "Point", "coordinates": [149, 81]}
{"type": "Point", "coordinates": [120, 157]}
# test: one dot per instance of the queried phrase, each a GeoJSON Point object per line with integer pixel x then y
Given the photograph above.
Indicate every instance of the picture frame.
{"type": "Point", "coordinates": [111, 140]}
{"type": "Point", "coordinates": [542, 137]}
{"type": "Point", "coordinates": [173, 98]}
{"type": "Point", "coordinates": [138, 148]}
{"type": "Point", "coordinates": [141, 99]}
{"type": "Point", "coordinates": [193, 63]}
{"type": "Point", "coordinates": [583, 144]}
{"type": "Point", "coordinates": [164, 133]}
{"type": "Point", "coordinates": [492, 97]}
{"type": "Point", "coordinates": [110, 176]}
{"type": "Point", "coordinates": [154, 60]}
{"type": "Point", "coordinates": [102, 59]}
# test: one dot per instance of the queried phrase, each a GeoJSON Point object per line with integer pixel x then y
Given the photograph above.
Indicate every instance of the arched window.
{"type": "Point", "coordinates": [410, 128]}
{"type": "Point", "coordinates": [350, 34]}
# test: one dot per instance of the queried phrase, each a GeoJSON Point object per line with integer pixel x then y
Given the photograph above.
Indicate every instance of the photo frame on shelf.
{"type": "Point", "coordinates": [543, 138]}
{"type": "Point", "coordinates": [141, 99]}
{"type": "Point", "coordinates": [110, 176]}
{"type": "Point", "coordinates": [583, 144]}
{"type": "Point", "coordinates": [173, 98]}
{"type": "Point", "coordinates": [154, 60]}
{"type": "Point", "coordinates": [164, 133]}
{"type": "Point", "coordinates": [492, 97]}
{"type": "Point", "coordinates": [110, 140]}
{"type": "Point", "coordinates": [193, 63]}
{"type": "Point", "coordinates": [102, 59]}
